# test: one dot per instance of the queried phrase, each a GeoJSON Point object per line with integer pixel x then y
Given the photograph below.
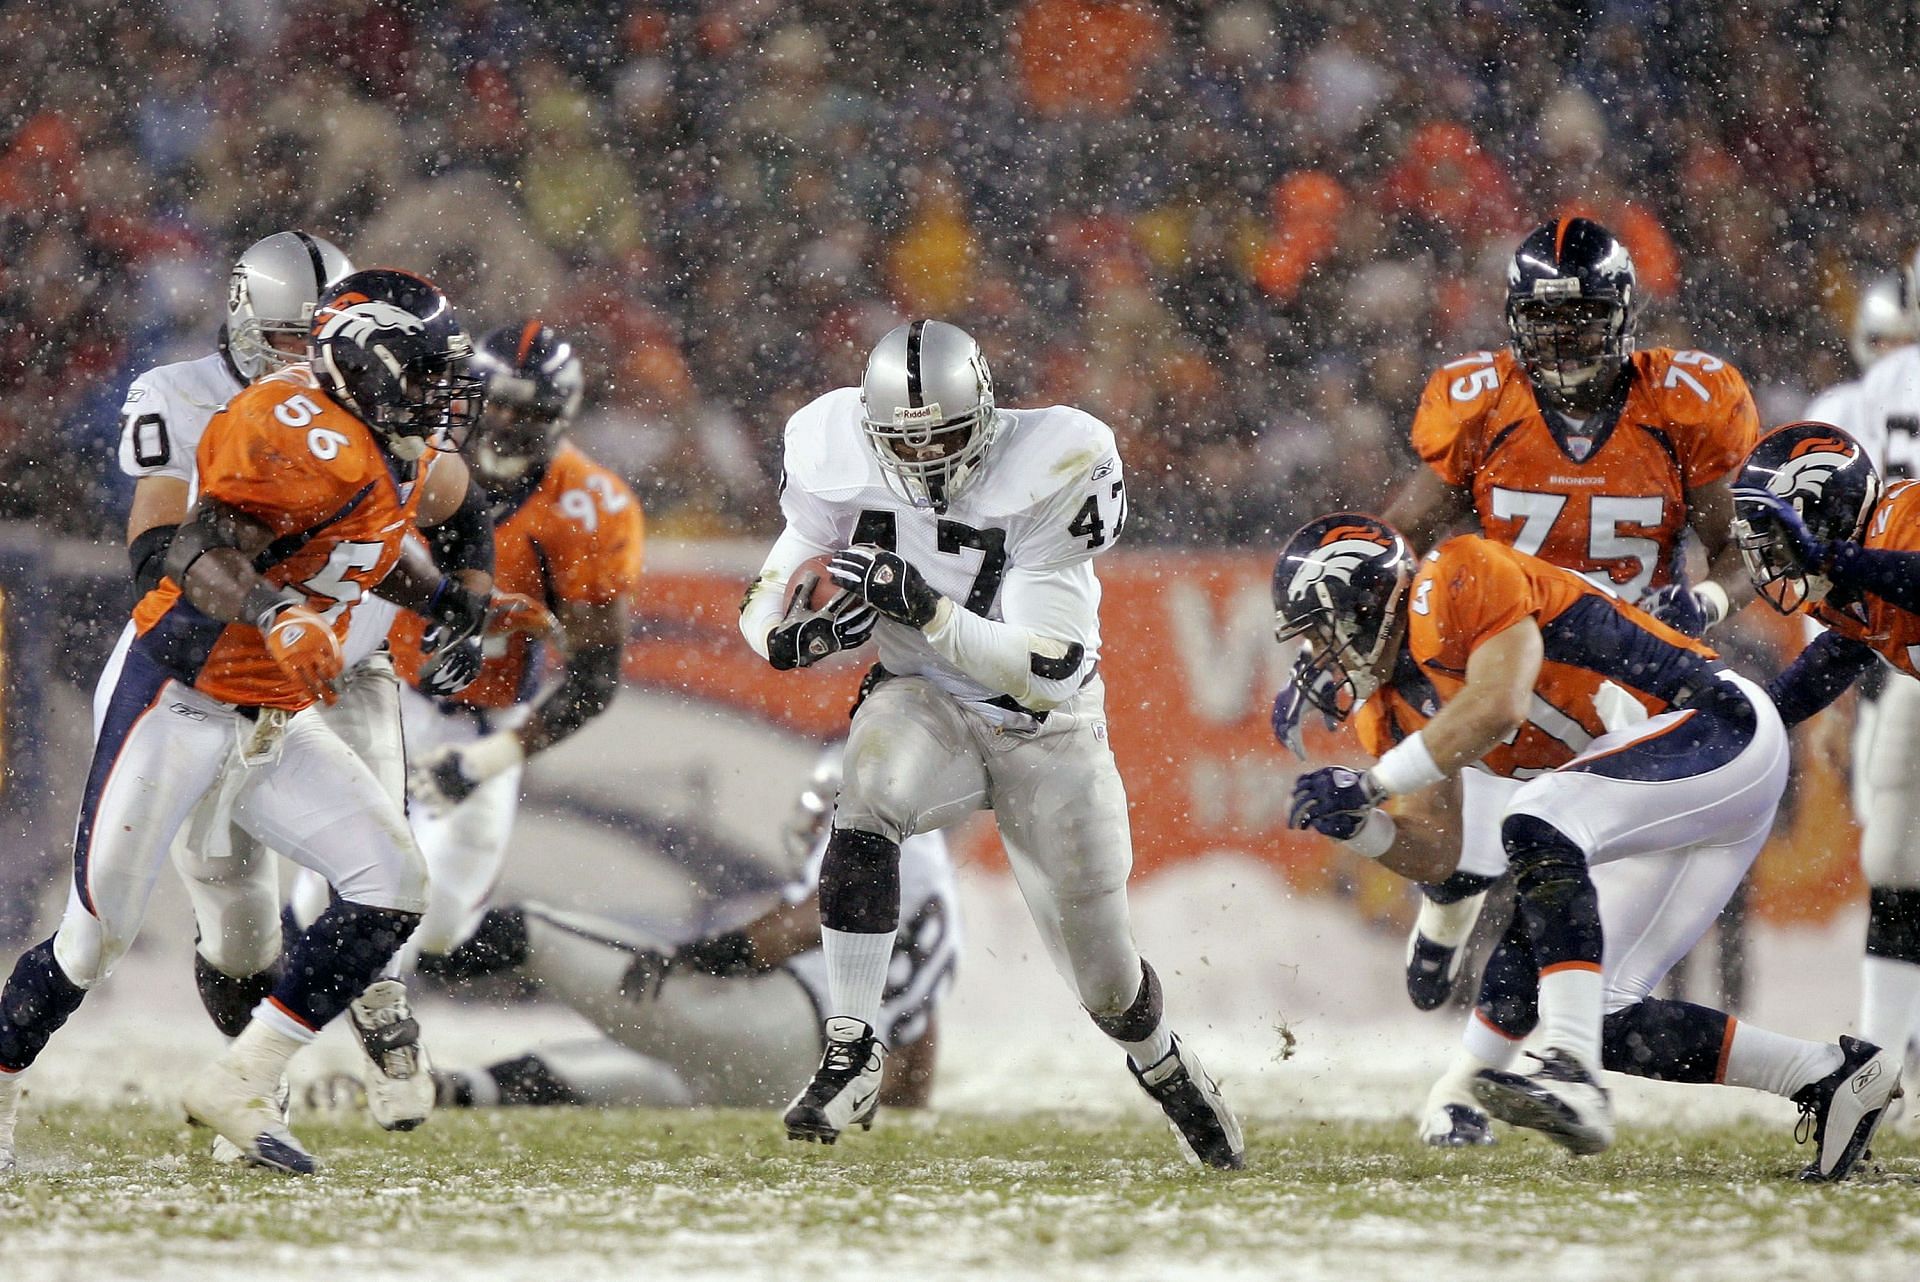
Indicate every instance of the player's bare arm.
{"type": "Point", "coordinates": [159, 505]}
{"type": "Point", "coordinates": [1710, 515]}
{"type": "Point", "coordinates": [1493, 704]}
{"type": "Point", "coordinates": [1425, 508]}
{"type": "Point", "coordinates": [596, 637]}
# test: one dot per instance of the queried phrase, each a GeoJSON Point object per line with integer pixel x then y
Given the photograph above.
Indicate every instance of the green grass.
{"type": "Point", "coordinates": [566, 1195]}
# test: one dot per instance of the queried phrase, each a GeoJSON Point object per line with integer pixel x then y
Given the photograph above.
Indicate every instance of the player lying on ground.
{"type": "Point", "coordinates": [971, 531]}
{"type": "Point", "coordinates": [567, 534]}
{"type": "Point", "coordinates": [310, 481]}
{"type": "Point", "coordinates": [1649, 768]}
{"type": "Point", "coordinates": [1819, 537]}
{"type": "Point", "coordinates": [1577, 448]}
{"type": "Point", "coordinates": [726, 1021]}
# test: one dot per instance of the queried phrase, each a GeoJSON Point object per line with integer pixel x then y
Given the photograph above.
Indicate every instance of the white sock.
{"type": "Point", "coordinates": [1155, 1047]}
{"type": "Point", "coordinates": [1570, 1011]}
{"type": "Point", "coordinates": [1485, 1046]}
{"type": "Point", "coordinates": [261, 1052]}
{"type": "Point", "coordinates": [1889, 992]}
{"type": "Point", "coordinates": [1762, 1060]}
{"type": "Point", "coordinates": [1449, 924]}
{"type": "Point", "coordinates": [856, 971]}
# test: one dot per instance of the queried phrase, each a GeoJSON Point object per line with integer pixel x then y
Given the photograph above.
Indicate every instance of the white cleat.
{"type": "Point", "coordinates": [249, 1116]}
{"type": "Point", "coordinates": [227, 1153]}
{"type": "Point", "coordinates": [9, 1114]}
{"type": "Point", "coordinates": [1206, 1128]}
{"type": "Point", "coordinates": [845, 1090]}
{"type": "Point", "coordinates": [1843, 1109]}
{"type": "Point", "coordinates": [1453, 1118]}
{"type": "Point", "coordinates": [399, 1076]}
{"type": "Point", "coordinates": [1559, 1098]}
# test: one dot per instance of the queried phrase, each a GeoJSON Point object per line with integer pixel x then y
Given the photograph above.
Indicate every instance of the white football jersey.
{"type": "Point", "coordinates": [926, 950]}
{"type": "Point", "coordinates": [161, 422]}
{"type": "Point", "coordinates": [1047, 499]}
{"type": "Point", "coordinates": [1884, 415]}
{"type": "Point", "coordinates": [166, 413]}
{"type": "Point", "coordinates": [1835, 405]}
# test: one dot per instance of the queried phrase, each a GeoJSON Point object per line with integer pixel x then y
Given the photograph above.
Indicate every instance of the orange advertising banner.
{"type": "Point", "coordinates": [1191, 668]}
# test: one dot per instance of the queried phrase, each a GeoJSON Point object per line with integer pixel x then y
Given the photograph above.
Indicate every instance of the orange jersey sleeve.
{"type": "Point", "coordinates": [1892, 632]}
{"type": "Point", "coordinates": [1450, 425]}
{"type": "Point", "coordinates": [1703, 405]}
{"type": "Point", "coordinates": [1466, 591]}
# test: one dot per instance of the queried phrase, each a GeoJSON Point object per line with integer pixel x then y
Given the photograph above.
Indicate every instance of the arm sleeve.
{"type": "Point", "coordinates": [762, 607]}
{"type": "Point", "coordinates": [1728, 430]}
{"type": "Point", "coordinates": [1892, 576]}
{"type": "Point", "coordinates": [1442, 434]}
{"type": "Point", "coordinates": [1820, 675]}
{"type": "Point", "coordinates": [1039, 651]}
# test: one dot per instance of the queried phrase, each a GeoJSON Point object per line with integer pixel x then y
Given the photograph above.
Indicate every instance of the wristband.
{"type": "Point", "coordinates": [493, 755]}
{"type": "Point", "coordinates": [1375, 837]}
{"type": "Point", "coordinates": [1407, 767]}
{"type": "Point", "coordinates": [1713, 602]}
{"type": "Point", "coordinates": [264, 602]}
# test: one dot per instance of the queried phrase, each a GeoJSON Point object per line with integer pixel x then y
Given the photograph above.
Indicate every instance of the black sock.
{"type": "Point", "coordinates": [338, 956]}
{"type": "Point", "coordinates": [1554, 892]}
{"type": "Point", "coordinates": [37, 1000]}
{"type": "Point", "coordinates": [1666, 1041]}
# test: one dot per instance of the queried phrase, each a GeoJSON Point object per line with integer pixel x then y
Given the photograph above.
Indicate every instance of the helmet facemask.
{"type": "Point", "coordinates": [1351, 648]}
{"type": "Point", "coordinates": [930, 459]}
{"type": "Point", "coordinates": [1572, 347]}
{"type": "Point", "coordinates": [250, 336]}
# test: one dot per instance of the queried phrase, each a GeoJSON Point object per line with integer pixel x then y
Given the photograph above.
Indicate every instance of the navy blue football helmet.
{"type": "Point", "coordinates": [388, 347]}
{"type": "Point", "coordinates": [1571, 308]}
{"type": "Point", "coordinates": [1341, 583]}
{"type": "Point", "coordinates": [1830, 481]}
{"type": "Point", "coordinates": [533, 388]}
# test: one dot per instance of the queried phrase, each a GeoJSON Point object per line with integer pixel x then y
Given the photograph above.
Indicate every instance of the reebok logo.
{"type": "Point", "coordinates": [1866, 1077]}
{"type": "Point", "coordinates": [182, 710]}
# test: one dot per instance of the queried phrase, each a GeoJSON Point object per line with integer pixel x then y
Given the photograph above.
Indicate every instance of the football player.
{"type": "Point", "coordinates": [1883, 416]}
{"type": "Point", "coordinates": [309, 481]}
{"type": "Point", "coordinates": [568, 533]}
{"type": "Point", "coordinates": [971, 530]}
{"type": "Point", "coordinates": [725, 1021]}
{"type": "Point", "coordinates": [232, 881]}
{"type": "Point", "coordinates": [1882, 325]}
{"type": "Point", "coordinates": [1574, 446]}
{"type": "Point", "coordinates": [1641, 763]}
{"type": "Point", "coordinates": [1819, 538]}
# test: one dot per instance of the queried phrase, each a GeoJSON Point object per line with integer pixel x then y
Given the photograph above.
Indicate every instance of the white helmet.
{"type": "Point", "coordinates": [272, 289]}
{"type": "Point", "coordinates": [1882, 322]}
{"type": "Point", "coordinates": [927, 405]}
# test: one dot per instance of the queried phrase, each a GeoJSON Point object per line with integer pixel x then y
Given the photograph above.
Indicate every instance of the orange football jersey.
{"type": "Point", "coordinates": [1612, 505]}
{"type": "Point", "coordinates": [1893, 633]}
{"type": "Point", "coordinates": [291, 458]}
{"type": "Point", "coordinates": [1471, 588]}
{"type": "Point", "coordinates": [576, 538]}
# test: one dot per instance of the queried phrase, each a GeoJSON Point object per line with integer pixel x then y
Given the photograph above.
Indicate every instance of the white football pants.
{"type": "Point", "coordinates": [917, 760]}
{"type": "Point", "coordinates": [1886, 783]}
{"type": "Point", "coordinates": [160, 749]}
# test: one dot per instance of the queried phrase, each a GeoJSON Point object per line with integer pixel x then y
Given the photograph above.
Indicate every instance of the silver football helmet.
{"type": "Point", "coordinates": [927, 405]}
{"type": "Point", "coordinates": [1881, 323]}
{"type": "Point", "coordinates": [271, 291]}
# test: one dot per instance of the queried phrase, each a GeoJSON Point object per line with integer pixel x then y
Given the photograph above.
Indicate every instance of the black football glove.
{"type": "Point", "coordinates": [453, 614]}
{"type": "Point", "coordinates": [887, 583]}
{"type": "Point", "coordinates": [452, 668]}
{"type": "Point", "coordinates": [806, 636]}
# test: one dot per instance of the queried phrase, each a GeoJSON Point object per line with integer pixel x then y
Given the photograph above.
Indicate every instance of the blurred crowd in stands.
{"type": "Point", "coordinates": [1242, 232]}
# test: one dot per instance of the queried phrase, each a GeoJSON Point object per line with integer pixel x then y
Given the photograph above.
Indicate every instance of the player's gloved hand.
{"type": "Point", "coordinates": [453, 613]}
{"type": "Point", "coordinates": [450, 773]}
{"type": "Point", "coordinates": [806, 636]}
{"type": "Point", "coordinates": [511, 612]}
{"type": "Point", "coordinates": [305, 647]}
{"type": "Point", "coordinates": [885, 582]}
{"type": "Point", "coordinates": [1333, 801]}
{"type": "Point", "coordinates": [1685, 609]}
{"type": "Point", "coordinates": [645, 974]}
{"type": "Point", "coordinates": [1304, 689]}
{"type": "Point", "coordinates": [1767, 513]}
{"type": "Point", "coordinates": [452, 668]}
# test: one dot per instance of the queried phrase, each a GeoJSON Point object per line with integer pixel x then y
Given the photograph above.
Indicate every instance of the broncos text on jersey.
{"type": "Point", "coordinates": [1607, 499]}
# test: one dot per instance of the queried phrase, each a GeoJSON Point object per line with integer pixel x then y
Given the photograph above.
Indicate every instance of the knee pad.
{"type": "Point", "coordinates": [1543, 857]}
{"type": "Point", "coordinates": [1136, 1021]}
{"type": "Point", "coordinates": [1459, 886]}
{"type": "Point", "coordinates": [860, 883]}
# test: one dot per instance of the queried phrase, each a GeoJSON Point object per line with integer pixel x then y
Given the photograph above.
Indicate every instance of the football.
{"type": "Point", "coordinates": [812, 577]}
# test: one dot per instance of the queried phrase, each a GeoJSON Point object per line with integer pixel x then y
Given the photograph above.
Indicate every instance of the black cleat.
{"type": "Point", "coordinates": [1431, 970]}
{"type": "Point", "coordinates": [1560, 1099]}
{"type": "Point", "coordinates": [845, 1090]}
{"type": "Point", "coordinates": [1205, 1127]}
{"type": "Point", "coordinates": [1841, 1111]}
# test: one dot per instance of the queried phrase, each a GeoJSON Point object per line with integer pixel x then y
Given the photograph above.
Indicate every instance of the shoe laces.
{"type": "Point", "coordinates": [1808, 1126]}
{"type": "Point", "coordinates": [843, 1057]}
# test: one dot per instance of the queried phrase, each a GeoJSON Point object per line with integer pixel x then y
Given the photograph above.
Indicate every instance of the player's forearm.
{"type": "Point", "coordinates": [211, 558]}
{"type": "Point", "coordinates": [416, 577]}
{"type": "Point", "coordinates": [1040, 672]}
{"type": "Point", "coordinates": [464, 541]}
{"type": "Point", "coordinates": [1823, 672]}
{"type": "Point", "coordinates": [585, 690]}
{"type": "Point", "coordinates": [1894, 577]}
{"type": "Point", "coordinates": [761, 609]}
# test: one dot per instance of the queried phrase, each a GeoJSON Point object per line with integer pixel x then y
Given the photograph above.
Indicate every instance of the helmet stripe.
{"type": "Point", "coordinates": [1560, 239]}
{"type": "Point", "coordinates": [914, 397]}
{"type": "Point", "coordinates": [527, 335]}
{"type": "Point", "coordinates": [319, 264]}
